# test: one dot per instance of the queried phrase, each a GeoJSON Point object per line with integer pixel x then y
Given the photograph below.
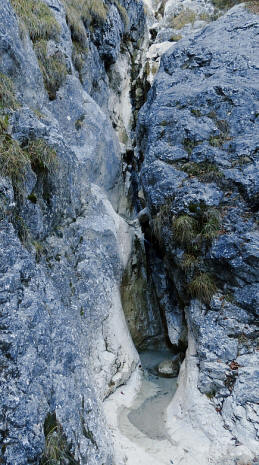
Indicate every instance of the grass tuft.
{"type": "Point", "coordinates": [53, 68]}
{"type": "Point", "coordinates": [185, 229]}
{"type": "Point", "coordinates": [38, 19]}
{"type": "Point", "coordinates": [202, 287]}
{"type": "Point", "coordinates": [186, 16]}
{"type": "Point", "coordinates": [205, 171]}
{"type": "Point", "coordinates": [81, 13]}
{"type": "Point", "coordinates": [14, 161]}
{"type": "Point", "coordinates": [7, 93]}
{"type": "Point", "coordinates": [57, 450]}
{"type": "Point", "coordinates": [42, 157]}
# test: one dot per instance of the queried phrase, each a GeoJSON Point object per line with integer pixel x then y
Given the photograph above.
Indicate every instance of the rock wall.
{"type": "Point", "coordinates": [65, 344]}
{"type": "Point", "coordinates": [198, 139]}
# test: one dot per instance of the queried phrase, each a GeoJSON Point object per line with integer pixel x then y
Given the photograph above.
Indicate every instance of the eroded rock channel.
{"type": "Point", "coordinates": [128, 225]}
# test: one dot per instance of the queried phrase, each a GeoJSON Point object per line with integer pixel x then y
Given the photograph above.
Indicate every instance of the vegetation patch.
{"type": "Point", "coordinates": [42, 26]}
{"type": "Point", "coordinates": [57, 450]}
{"type": "Point", "coordinates": [176, 37]}
{"type": "Point", "coordinates": [38, 19]}
{"type": "Point", "coordinates": [186, 16]}
{"type": "Point", "coordinates": [204, 171]}
{"type": "Point", "coordinates": [189, 145]}
{"type": "Point", "coordinates": [14, 160]}
{"type": "Point", "coordinates": [122, 11]}
{"type": "Point", "coordinates": [53, 67]}
{"type": "Point", "coordinates": [81, 13]}
{"type": "Point", "coordinates": [202, 287]}
{"type": "Point", "coordinates": [42, 157]}
{"type": "Point", "coordinates": [7, 93]}
{"type": "Point", "coordinates": [185, 229]}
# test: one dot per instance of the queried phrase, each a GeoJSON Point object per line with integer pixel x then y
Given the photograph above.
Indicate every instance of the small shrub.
{"type": "Point", "coordinates": [53, 68]}
{"type": "Point", "coordinates": [186, 16]}
{"type": "Point", "coordinates": [210, 394]}
{"type": "Point", "coordinates": [79, 54]}
{"type": "Point", "coordinates": [185, 229]}
{"type": "Point", "coordinates": [202, 287]}
{"type": "Point", "coordinates": [160, 220]}
{"type": "Point", "coordinates": [38, 19]}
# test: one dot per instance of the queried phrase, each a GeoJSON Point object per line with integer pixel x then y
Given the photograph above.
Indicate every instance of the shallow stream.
{"type": "Point", "coordinates": [144, 423]}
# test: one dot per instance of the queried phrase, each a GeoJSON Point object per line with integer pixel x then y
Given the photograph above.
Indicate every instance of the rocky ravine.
{"type": "Point", "coordinates": [73, 77]}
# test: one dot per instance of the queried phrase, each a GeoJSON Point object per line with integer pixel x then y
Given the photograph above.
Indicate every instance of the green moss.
{"type": "Point", "coordinates": [7, 93]}
{"type": "Point", "coordinates": [38, 19]}
{"type": "Point", "coordinates": [202, 287]}
{"type": "Point", "coordinates": [186, 16]}
{"type": "Point", "coordinates": [53, 68]}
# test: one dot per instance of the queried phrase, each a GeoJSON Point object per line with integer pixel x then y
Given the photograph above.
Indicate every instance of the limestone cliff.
{"type": "Point", "coordinates": [123, 189]}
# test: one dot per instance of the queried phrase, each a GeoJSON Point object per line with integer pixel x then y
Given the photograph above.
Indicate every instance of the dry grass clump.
{"type": "Point", "coordinates": [7, 94]}
{"type": "Point", "coordinates": [57, 450]}
{"type": "Point", "coordinates": [13, 160]}
{"type": "Point", "coordinates": [202, 287]}
{"type": "Point", "coordinates": [81, 13]}
{"type": "Point", "coordinates": [53, 68]}
{"type": "Point", "coordinates": [38, 19]}
{"type": "Point", "coordinates": [185, 229]}
{"type": "Point", "coordinates": [42, 156]}
{"type": "Point", "coordinates": [186, 16]}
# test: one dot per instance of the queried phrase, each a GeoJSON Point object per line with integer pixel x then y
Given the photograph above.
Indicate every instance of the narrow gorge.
{"type": "Point", "coordinates": [129, 239]}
